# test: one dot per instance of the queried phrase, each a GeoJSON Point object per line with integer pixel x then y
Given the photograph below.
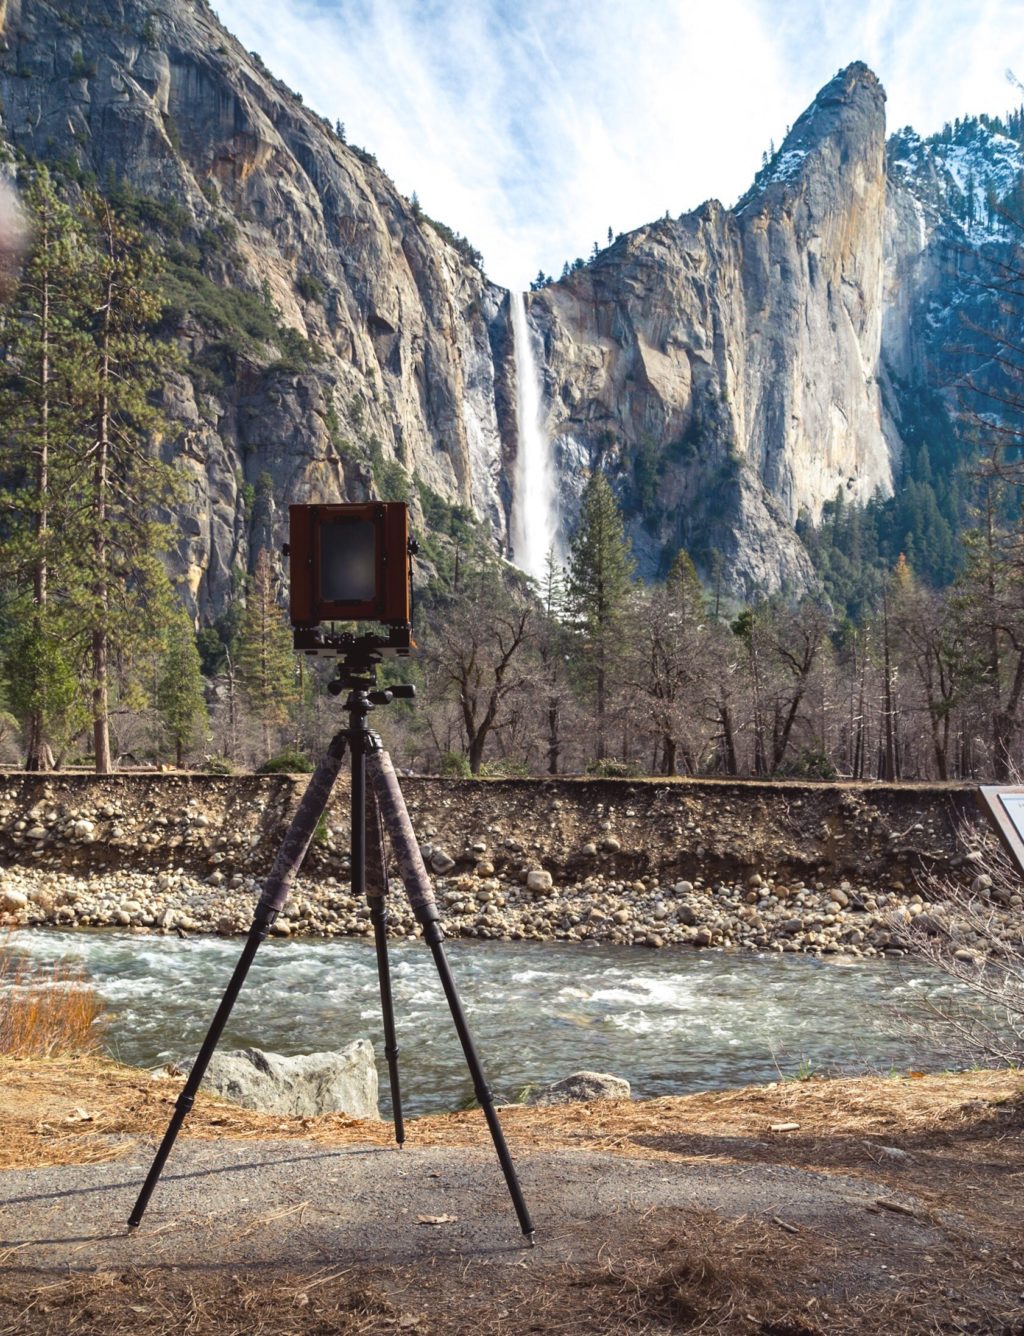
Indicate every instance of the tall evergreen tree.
{"type": "Point", "coordinates": [600, 573]}
{"type": "Point", "coordinates": [180, 698]}
{"type": "Point", "coordinates": [41, 396]}
{"type": "Point", "coordinates": [126, 483]}
{"type": "Point", "coordinates": [264, 655]}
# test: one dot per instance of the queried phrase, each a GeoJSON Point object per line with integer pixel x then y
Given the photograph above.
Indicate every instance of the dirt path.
{"type": "Point", "coordinates": [886, 1206]}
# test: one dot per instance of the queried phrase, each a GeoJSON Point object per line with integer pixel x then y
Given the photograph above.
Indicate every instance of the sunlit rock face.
{"type": "Point", "coordinates": [725, 364]}
{"type": "Point", "coordinates": [268, 201]}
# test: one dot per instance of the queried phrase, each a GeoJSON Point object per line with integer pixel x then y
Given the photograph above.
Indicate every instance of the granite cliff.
{"type": "Point", "coordinates": [737, 368]}
{"type": "Point", "coordinates": [731, 369]}
{"type": "Point", "coordinates": [356, 339]}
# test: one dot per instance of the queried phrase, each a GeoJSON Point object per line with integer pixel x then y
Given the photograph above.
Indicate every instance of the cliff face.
{"type": "Point", "coordinates": [726, 363]}
{"type": "Point", "coordinates": [731, 369]}
{"type": "Point", "coordinates": [947, 235]}
{"type": "Point", "coordinates": [268, 202]}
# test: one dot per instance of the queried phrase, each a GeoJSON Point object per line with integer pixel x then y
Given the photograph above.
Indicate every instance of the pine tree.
{"type": "Point", "coordinates": [41, 397]}
{"type": "Point", "coordinates": [552, 586]}
{"type": "Point", "coordinates": [600, 573]}
{"type": "Point", "coordinates": [180, 697]}
{"type": "Point", "coordinates": [264, 655]}
{"type": "Point", "coordinates": [126, 484]}
{"type": "Point", "coordinates": [684, 586]}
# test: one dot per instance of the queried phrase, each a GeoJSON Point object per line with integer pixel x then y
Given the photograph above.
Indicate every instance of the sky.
{"type": "Point", "coordinates": [534, 126]}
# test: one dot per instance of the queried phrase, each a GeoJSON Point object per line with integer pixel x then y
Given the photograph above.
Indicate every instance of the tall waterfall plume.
{"type": "Point", "coordinates": [535, 507]}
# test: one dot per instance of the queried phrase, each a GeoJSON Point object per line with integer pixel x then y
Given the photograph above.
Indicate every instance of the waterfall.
{"type": "Point", "coordinates": [535, 506]}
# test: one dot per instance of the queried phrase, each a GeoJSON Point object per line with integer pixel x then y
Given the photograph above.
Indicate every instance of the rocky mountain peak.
{"type": "Point", "coordinates": [844, 126]}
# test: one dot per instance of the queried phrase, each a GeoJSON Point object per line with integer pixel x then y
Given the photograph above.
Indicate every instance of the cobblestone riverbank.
{"type": "Point", "coordinates": [785, 867]}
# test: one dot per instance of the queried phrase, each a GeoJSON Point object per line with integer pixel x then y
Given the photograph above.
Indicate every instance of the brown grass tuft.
{"type": "Point", "coordinates": [46, 1011]}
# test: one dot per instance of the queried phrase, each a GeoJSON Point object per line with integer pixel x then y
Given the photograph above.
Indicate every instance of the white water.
{"type": "Point", "coordinates": [669, 1021]}
{"type": "Point", "coordinates": [535, 510]}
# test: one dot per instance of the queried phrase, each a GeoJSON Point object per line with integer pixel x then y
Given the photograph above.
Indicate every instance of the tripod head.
{"type": "Point", "coordinates": [357, 674]}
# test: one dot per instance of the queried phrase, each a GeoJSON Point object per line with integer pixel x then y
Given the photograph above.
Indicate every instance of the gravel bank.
{"type": "Point", "coordinates": [783, 867]}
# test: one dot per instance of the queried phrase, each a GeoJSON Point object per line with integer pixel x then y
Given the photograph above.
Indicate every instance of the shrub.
{"type": "Point", "coordinates": [507, 768]}
{"type": "Point", "coordinates": [613, 769]}
{"type": "Point", "coordinates": [218, 765]}
{"type": "Point", "coordinates": [972, 934]}
{"type": "Point", "coordinates": [46, 1011]}
{"type": "Point", "coordinates": [455, 766]}
{"type": "Point", "coordinates": [287, 763]}
{"type": "Point", "coordinates": [311, 288]}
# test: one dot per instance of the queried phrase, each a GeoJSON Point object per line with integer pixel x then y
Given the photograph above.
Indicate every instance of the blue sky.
{"type": "Point", "coordinates": [533, 127]}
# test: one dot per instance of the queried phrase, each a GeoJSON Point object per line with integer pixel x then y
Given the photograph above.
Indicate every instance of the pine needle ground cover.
{"type": "Point", "coordinates": [934, 1163]}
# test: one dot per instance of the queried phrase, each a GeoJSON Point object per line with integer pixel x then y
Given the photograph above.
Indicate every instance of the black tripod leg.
{"type": "Point", "coordinates": [376, 898]}
{"type": "Point", "coordinates": [421, 897]}
{"type": "Point", "coordinates": [435, 939]}
{"type": "Point", "coordinates": [378, 917]}
{"type": "Point", "coordinates": [275, 893]}
{"type": "Point", "coordinates": [183, 1104]}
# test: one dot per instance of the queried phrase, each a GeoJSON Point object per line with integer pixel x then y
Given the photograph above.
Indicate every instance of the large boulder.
{"type": "Point", "coordinates": [303, 1086]}
{"type": "Point", "coordinates": [579, 1087]}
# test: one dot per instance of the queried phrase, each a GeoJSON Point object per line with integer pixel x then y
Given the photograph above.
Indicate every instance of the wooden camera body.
{"type": "Point", "coordinates": [350, 563]}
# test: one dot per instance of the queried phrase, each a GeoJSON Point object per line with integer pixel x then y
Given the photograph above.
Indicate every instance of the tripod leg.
{"type": "Point", "coordinates": [275, 893]}
{"type": "Point", "coordinates": [421, 897]}
{"type": "Point", "coordinates": [184, 1102]}
{"type": "Point", "coordinates": [376, 898]}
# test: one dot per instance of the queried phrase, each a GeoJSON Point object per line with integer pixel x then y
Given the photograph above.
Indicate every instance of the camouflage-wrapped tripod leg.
{"type": "Point", "coordinates": [295, 844]}
{"type": "Point", "coordinates": [271, 902]}
{"type": "Point", "coordinates": [411, 867]}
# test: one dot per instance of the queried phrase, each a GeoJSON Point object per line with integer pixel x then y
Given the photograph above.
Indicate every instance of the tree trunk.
{"type": "Point", "coordinates": [890, 738]}
{"type": "Point", "coordinates": [36, 732]}
{"type": "Point", "coordinates": [101, 483]}
{"type": "Point", "coordinates": [554, 740]}
{"type": "Point", "coordinates": [728, 739]}
{"type": "Point", "coordinates": [601, 749]}
{"type": "Point", "coordinates": [668, 755]}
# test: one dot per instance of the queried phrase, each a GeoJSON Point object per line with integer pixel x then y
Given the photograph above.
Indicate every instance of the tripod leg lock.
{"type": "Point", "coordinates": [264, 919]}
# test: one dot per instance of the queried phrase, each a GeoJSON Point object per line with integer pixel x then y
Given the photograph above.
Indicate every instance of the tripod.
{"type": "Point", "coordinates": [357, 676]}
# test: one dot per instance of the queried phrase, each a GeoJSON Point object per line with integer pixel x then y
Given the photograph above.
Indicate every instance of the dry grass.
{"type": "Point", "coordinates": [42, 1103]}
{"type": "Point", "coordinates": [46, 1011]}
{"type": "Point", "coordinates": [671, 1271]}
{"type": "Point", "coordinates": [153, 1303]}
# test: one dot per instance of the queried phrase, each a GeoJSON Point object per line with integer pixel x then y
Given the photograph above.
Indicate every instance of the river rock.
{"type": "Point", "coordinates": [300, 1087]}
{"type": "Point", "coordinates": [12, 902]}
{"type": "Point", "coordinates": [579, 1087]}
{"type": "Point", "coordinates": [538, 880]}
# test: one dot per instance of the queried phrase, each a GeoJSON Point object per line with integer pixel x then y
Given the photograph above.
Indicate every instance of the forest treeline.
{"type": "Point", "coordinates": [907, 664]}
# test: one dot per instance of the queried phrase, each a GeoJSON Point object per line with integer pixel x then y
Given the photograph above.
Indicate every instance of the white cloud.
{"type": "Point", "coordinates": [534, 126]}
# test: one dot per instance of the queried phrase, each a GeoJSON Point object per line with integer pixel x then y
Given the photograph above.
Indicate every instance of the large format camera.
{"type": "Point", "coordinates": [351, 563]}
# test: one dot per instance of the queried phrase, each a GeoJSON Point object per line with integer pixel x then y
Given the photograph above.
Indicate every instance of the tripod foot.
{"type": "Point", "coordinates": [530, 1240]}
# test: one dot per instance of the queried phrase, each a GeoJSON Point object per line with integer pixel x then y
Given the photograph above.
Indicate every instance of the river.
{"type": "Point", "coordinates": [669, 1021]}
